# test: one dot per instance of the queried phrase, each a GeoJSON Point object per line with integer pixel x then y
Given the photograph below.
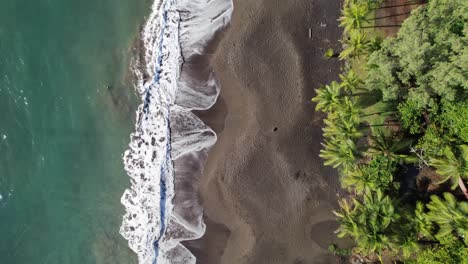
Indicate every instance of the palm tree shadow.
{"type": "Point", "coordinates": [428, 183]}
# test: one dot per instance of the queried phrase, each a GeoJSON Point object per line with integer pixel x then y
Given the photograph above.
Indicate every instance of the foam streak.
{"type": "Point", "coordinates": [168, 148]}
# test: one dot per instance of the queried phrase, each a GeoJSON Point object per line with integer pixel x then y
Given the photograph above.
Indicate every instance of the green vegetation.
{"type": "Point", "coordinates": [377, 223]}
{"type": "Point", "coordinates": [449, 251]}
{"type": "Point", "coordinates": [449, 215]}
{"type": "Point", "coordinates": [453, 167]}
{"type": "Point", "coordinates": [396, 128]}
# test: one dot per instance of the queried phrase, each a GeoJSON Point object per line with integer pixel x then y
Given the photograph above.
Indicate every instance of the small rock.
{"type": "Point", "coordinates": [298, 174]}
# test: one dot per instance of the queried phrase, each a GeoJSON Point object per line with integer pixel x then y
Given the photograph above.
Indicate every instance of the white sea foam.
{"type": "Point", "coordinates": [169, 146]}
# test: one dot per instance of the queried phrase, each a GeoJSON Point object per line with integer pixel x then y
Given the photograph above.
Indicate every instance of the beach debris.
{"type": "Point", "coordinates": [275, 129]}
{"type": "Point", "coordinates": [299, 174]}
{"type": "Point", "coordinates": [310, 32]}
{"type": "Point", "coordinates": [323, 25]}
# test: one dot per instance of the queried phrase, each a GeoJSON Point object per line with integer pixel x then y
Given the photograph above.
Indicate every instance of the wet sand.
{"type": "Point", "coordinates": [266, 195]}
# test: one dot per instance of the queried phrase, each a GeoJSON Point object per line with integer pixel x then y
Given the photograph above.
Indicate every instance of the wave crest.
{"type": "Point", "coordinates": [169, 147]}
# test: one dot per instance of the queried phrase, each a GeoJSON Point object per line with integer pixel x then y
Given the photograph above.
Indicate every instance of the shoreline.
{"type": "Point", "coordinates": [168, 148]}
{"type": "Point", "coordinates": [265, 192]}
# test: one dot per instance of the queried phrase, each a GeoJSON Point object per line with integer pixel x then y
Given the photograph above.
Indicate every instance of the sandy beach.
{"type": "Point", "coordinates": [266, 195]}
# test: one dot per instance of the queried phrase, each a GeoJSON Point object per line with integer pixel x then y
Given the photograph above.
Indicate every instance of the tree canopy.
{"type": "Point", "coordinates": [428, 60]}
{"type": "Point", "coordinates": [399, 111]}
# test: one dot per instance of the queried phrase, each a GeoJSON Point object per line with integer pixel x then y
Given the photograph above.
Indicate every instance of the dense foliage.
{"type": "Point", "coordinates": [449, 216]}
{"type": "Point", "coordinates": [425, 69]}
{"type": "Point", "coordinates": [449, 251]}
{"type": "Point", "coordinates": [397, 131]}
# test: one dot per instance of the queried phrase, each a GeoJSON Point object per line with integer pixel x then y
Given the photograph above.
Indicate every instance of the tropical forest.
{"type": "Point", "coordinates": [396, 129]}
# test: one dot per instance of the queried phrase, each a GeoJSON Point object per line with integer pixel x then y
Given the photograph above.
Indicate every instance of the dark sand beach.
{"type": "Point", "coordinates": [266, 195]}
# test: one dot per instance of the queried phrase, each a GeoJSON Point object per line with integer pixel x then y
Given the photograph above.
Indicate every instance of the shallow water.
{"type": "Point", "coordinates": [168, 147]}
{"type": "Point", "coordinates": [67, 108]}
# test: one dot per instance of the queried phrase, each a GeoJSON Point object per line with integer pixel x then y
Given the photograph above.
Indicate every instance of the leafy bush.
{"type": "Point", "coordinates": [449, 251]}
{"type": "Point", "coordinates": [377, 174]}
{"type": "Point", "coordinates": [335, 250]}
{"type": "Point", "coordinates": [432, 142]}
{"type": "Point", "coordinates": [454, 118]}
{"type": "Point", "coordinates": [410, 116]}
{"type": "Point", "coordinates": [428, 56]}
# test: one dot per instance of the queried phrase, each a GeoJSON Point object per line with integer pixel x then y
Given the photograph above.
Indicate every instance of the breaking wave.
{"type": "Point", "coordinates": [169, 147]}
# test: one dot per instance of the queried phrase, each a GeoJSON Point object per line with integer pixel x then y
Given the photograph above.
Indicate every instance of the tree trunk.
{"type": "Point", "coordinates": [383, 26]}
{"type": "Point", "coordinates": [408, 4]}
{"type": "Point", "coordinates": [426, 118]}
{"type": "Point", "coordinates": [394, 15]}
{"type": "Point", "coordinates": [428, 242]}
{"type": "Point", "coordinates": [355, 94]}
{"type": "Point", "coordinates": [358, 94]}
{"type": "Point", "coordinates": [374, 138]}
{"type": "Point", "coordinates": [380, 125]}
{"type": "Point", "coordinates": [463, 187]}
{"type": "Point", "coordinates": [378, 113]}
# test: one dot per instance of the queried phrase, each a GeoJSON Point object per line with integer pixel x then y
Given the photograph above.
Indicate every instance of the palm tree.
{"type": "Point", "coordinates": [356, 45]}
{"type": "Point", "coordinates": [340, 127]}
{"type": "Point", "coordinates": [350, 82]}
{"type": "Point", "coordinates": [394, 15]}
{"type": "Point", "coordinates": [375, 44]}
{"type": "Point", "coordinates": [374, 3]}
{"type": "Point", "coordinates": [339, 152]}
{"type": "Point", "coordinates": [350, 109]}
{"type": "Point", "coordinates": [392, 148]}
{"type": "Point", "coordinates": [375, 174]}
{"type": "Point", "coordinates": [370, 3]}
{"type": "Point", "coordinates": [400, 5]}
{"type": "Point", "coordinates": [424, 225]}
{"type": "Point", "coordinates": [369, 222]}
{"type": "Point", "coordinates": [327, 97]}
{"type": "Point", "coordinates": [452, 167]}
{"type": "Point", "coordinates": [450, 215]}
{"type": "Point", "coordinates": [354, 16]}
{"type": "Point", "coordinates": [360, 180]}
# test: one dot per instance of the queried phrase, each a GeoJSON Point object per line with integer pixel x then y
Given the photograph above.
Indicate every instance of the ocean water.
{"type": "Point", "coordinates": [67, 108]}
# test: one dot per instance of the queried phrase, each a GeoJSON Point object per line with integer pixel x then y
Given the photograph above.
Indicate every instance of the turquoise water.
{"type": "Point", "coordinates": [62, 130]}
